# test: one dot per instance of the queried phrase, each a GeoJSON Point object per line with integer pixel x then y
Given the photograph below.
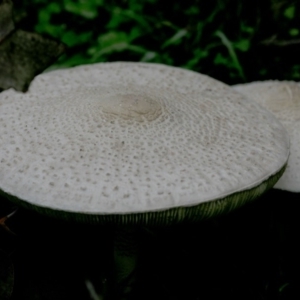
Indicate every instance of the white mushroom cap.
{"type": "Point", "coordinates": [282, 98]}
{"type": "Point", "coordinates": [136, 141]}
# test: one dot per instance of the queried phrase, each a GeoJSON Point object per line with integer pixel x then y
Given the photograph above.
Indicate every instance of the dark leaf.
{"type": "Point", "coordinates": [6, 20]}
{"type": "Point", "coordinates": [23, 55]}
{"type": "Point", "coordinates": [4, 219]}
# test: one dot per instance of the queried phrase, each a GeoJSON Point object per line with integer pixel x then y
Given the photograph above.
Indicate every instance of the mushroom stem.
{"type": "Point", "coordinates": [125, 260]}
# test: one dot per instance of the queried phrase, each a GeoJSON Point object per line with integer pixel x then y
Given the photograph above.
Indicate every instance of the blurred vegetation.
{"type": "Point", "coordinates": [231, 40]}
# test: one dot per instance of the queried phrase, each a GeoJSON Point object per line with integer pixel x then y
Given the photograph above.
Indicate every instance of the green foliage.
{"type": "Point", "coordinates": [231, 40]}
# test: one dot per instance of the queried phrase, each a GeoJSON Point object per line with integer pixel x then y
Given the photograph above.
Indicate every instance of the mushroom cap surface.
{"type": "Point", "coordinates": [136, 142]}
{"type": "Point", "coordinates": [282, 98]}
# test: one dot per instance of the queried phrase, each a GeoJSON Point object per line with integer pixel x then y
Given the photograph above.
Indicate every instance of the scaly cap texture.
{"type": "Point", "coordinates": [282, 98]}
{"type": "Point", "coordinates": [118, 140]}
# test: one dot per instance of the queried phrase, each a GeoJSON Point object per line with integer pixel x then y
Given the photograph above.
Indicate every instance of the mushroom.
{"type": "Point", "coordinates": [136, 144]}
{"type": "Point", "coordinates": [282, 98]}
